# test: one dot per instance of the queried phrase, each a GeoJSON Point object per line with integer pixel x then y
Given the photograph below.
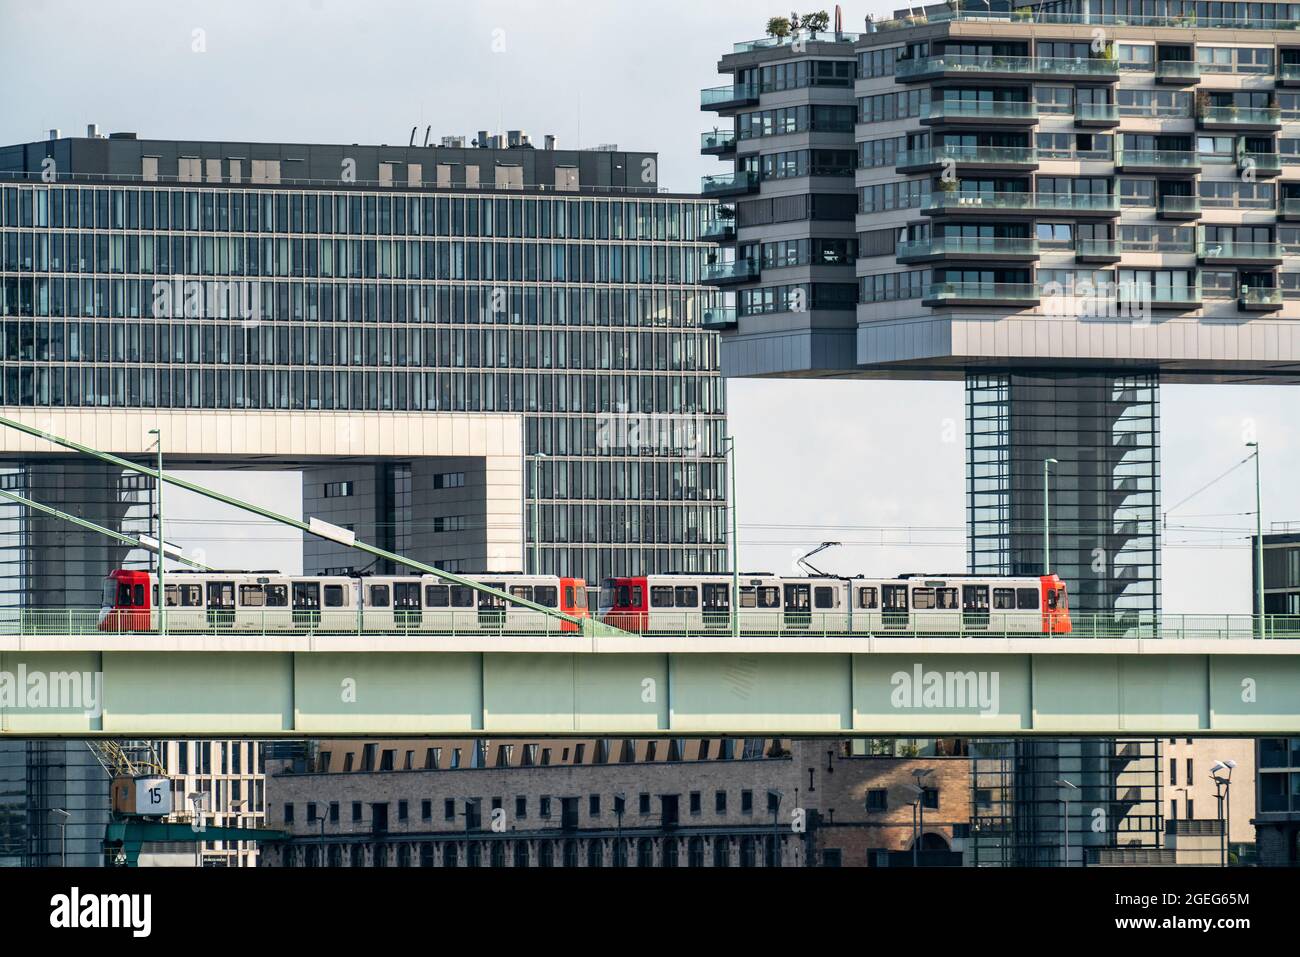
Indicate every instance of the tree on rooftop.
{"type": "Point", "coordinates": [818, 22]}
{"type": "Point", "coordinates": [778, 27]}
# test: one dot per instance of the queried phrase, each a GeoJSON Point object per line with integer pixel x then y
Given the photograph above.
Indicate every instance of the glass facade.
{"type": "Point", "coordinates": [581, 313]}
{"type": "Point", "coordinates": [1103, 430]}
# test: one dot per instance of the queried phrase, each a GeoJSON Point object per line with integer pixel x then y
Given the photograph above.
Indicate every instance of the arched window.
{"type": "Point", "coordinates": [695, 852]}
{"type": "Point", "coordinates": [645, 853]}
{"type": "Point", "coordinates": [669, 852]}
{"type": "Point", "coordinates": [521, 853]}
{"type": "Point", "coordinates": [748, 852]}
{"type": "Point", "coordinates": [721, 852]}
{"type": "Point", "coordinates": [450, 855]}
{"type": "Point", "coordinates": [595, 853]}
{"type": "Point", "coordinates": [546, 854]}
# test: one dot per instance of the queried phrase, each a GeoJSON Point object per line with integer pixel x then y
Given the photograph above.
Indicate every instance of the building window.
{"type": "Point", "coordinates": [426, 810]}
{"type": "Point", "coordinates": [288, 814]}
{"type": "Point", "coordinates": [356, 811]}
{"type": "Point", "coordinates": [695, 802]}
{"type": "Point", "coordinates": [334, 812]}
{"type": "Point", "coordinates": [403, 810]}
{"type": "Point", "coordinates": [338, 489]}
{"type": "Point", "coordinates": [878, 799]}
{"type": "Point", "coordinates": [449, 480]}
{"type": "Point", "coordinates": [449, 810]}
{"type": "Point", "coordinates": [643, 803]}
{"type": "Point", "coordinates": [746, 802]}
{"type": "Point", "coordinates": [544, 805]}
{"type": "Point", "coordinates": [720, 802]}
{"type": "Point", "coordinates": [521, 807]}
{"type": "Point", "coordinates": [593, 805]}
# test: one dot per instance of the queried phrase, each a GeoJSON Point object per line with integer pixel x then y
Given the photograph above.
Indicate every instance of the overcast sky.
{"type": "Point", "coordinates": [859, 462]}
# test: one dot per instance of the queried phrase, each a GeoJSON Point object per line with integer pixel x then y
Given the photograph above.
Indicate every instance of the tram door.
{"type": "Point", "coordinates": [716, 605]}
{"type": "Point", "coordinates": [893, 606]}
{"type": "Point", "coordinates": [306, 604]}
{"type": "Point", "coordinates": [406, 604]}
{"type": "Point", "coordinates": [798, 605]}
{"type": "Point", "coordinates": [491, 609]}
{"type": "Point", "coordinates": [221, 605]}
{"type": "Point", "coordinates": [975, 607]}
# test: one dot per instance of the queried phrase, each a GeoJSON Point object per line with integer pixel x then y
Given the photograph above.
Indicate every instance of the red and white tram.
{"type": "Point", "coordinates": [270, 601]}
{"type": "Point", "coordinates": [909, 604]}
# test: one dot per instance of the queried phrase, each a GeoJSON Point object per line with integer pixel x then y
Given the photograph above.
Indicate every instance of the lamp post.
{"type": "Point", "coordinates": [162, 539]}
{"type": "Point", "coordinates": [735, 567]}
{"type": "Point", "coordinates": [774, 798]}
{"type": "Point", "coordinates": [620, 800]}
{"type": "Point", "coordinates": [63, 834]}
{"type": "Point", "coordinates": [537, 512]}
{"type": "Point", "coordinates": [919, 774]}
{"type": "Point", "coordinates": [1047, 516]}
{"type": "Point", "coordinates": [1067, 787]}
{"type": "Point", "coordinates": [1222, 791]}
{"type": "Point", "coordinates": [1259, 542]}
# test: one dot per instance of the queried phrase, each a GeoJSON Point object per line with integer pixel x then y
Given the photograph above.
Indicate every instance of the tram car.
{"type": "Point", "coordinates": [771, 605]}
{"type": "Point", "coordinates": [272, 602]}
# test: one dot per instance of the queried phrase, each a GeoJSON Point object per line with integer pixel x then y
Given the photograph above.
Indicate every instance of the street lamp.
{"type": "Point", "coordinates": [162, 539]}
{"type": "Point", "coordinates": [919, 774]}
{"type": "Point", "coordinates": [1222, 791]}
{"type": "Point", "coordinates": [735, 567]}
{"type": "Point", "coordinates": [620, 802]}
{"type": "Point", "coordinates": [1047, 517]}
{"type": "Point", "coordinates": [1259, 542]}
{"type": "Point", "coordinates": [774, 799]}
{"type": "Point", "coordinates": [63, 834]}
{"type": "Point", "coordinates": [1067, 786]}
{"type": "Point", "coordinates": [537, 521]}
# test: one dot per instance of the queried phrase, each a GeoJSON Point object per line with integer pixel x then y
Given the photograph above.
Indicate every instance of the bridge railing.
{"type": "Point", "coordinates": [279, 622]}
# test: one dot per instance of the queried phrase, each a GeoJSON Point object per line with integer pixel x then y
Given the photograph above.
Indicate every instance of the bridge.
{"type": "Point", "coordinates": [288, 684]}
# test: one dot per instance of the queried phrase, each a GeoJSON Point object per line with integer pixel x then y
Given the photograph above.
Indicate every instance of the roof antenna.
{"type": "Point", "coordinates": [427, 129]}
{"type": "Point", "coordinates": [413, 129]}
{"type": "Point", "coordinates": [812, 569]}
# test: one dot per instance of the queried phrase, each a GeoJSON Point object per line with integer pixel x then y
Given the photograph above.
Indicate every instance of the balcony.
{"type": "Point", "coordinates": [718, 143]}
{"type": "Point", "coordinates": [1289, 210]}
{"type": "Point", "coordinates": [1288, 74]}
{"type": "Point", "coordinates": [1178, 72]}
{"type": "Point", "coordinates": [997, 112]}
{"type": "Point", "coordinates": [981, 294]}
{"type": "Point", "coordinates": [1264, 164]}
{"type": "Point", "coordinates": [975, 157]}
{"type": "Point", "coordinates": [1239, 118]}
{"type": "Point", "coordinates": [975, 248]}
{"type": "Point", "coordinates": [1134, 296]}
{"type": "Point", "coordinates": [1228, 252]}
{"type": "Point", "coordinates": [718, 317]}
{"type": "Point", "coordinates": [1004, 67]}
{"type": "Point", "coordinates": [1097, 250]}
{"type": "Point", "coordinates": [1096, 115]}
{"type": "Point", "coordinates": [739, 183]}
{"type": "Point", "coordinates": [719, 229]}
{"type": "Point", "coordinates": [719, 98]}
{"type": "Point", "coordinates": [1179, 207]}
{"type": "Point", "coordinates": [1157, 161]}
{"type": "Point", "coordinates": [1259, 299]}
{"type": "Point", "coordinates": [731, 273]}
{"type": "Point", "coordinates": [956, 203]}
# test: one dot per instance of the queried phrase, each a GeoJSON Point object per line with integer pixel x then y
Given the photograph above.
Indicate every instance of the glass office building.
{"type": "Point", "coordinates": [559, 285]}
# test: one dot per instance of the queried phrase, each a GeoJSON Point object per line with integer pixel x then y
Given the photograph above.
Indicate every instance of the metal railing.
{"type": "Point", "coordinates": [414, 623]}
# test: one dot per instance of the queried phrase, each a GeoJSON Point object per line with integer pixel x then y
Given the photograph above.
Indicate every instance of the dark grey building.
{"type": "Point", "coordinates": [1281, 572]}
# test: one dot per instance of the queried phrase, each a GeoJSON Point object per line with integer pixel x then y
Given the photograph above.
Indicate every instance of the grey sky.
{"type": "Point", "coordinates": [818, 460]}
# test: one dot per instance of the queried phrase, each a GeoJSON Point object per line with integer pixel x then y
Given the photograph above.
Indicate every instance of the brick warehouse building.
{"type": "Point", "coordinates": [603, 803]}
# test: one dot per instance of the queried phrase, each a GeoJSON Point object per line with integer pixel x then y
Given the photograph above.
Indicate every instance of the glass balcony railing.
{"type": "Point", "coordinates": [1291, 206]}
{"type": "Point", "coordinates": [1026, 65]}
{"type": "Point", "coordinates": [1180, 204]}
{"type": "Point", "coordinates": [992, 155]}
{"type": "Point", "coordinates": [1229, 249]}
{"type": "Point", "coordinates": [1052, 202]}
{"type": "Point", "coordinates": [968, 246]}
{"type": "Point", "coordinates": [1260, 296]}
{"type": "Point", "coordinates": [1262, 162]}
{"type": "Point", "coordinates": [983, 109]}
{"type": "Point", "coordinates": [1027, 292]}
{"type": "Point", "coordinates": [765, 43]}
{"type": "Point", "coordinates": [717, 141]}
{"type": "Point", "coordinates": [1241, 115]}
{"type": "Point", "coordinates": [1097, 247]}
{"type": "Point", "coordinates": [740, 181]}
{"type": "Point", "coordinates": [720, 96]}
{"type": "Point", "coordinates": [718, 229]}
{"type": "Point", "coordinates": [718, 317]}
{"type": "Point", "coordinates": [1163, 159]}
{"type": "Point", "coordinates": [1288, 71]}
{"type": "Point", "coordinates": [1097, 112]}
{"type": "Point", "coordinates": [1178, 69]}
{"type": "Point", "coordinates": [741, 270]}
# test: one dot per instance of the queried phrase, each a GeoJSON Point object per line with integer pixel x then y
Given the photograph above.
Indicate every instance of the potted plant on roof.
{"type": "Point", "coordinates": [778, 28]}
{"type": "Point", "coordinates": [815, 23]}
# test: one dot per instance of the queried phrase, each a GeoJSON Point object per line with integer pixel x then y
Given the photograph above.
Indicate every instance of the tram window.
{"type": "Point", "coordinates": [462, 596]}
{"type": "Point", "coordinates": [123, 595]}
{"type": "Point", "coordinates": [1027, 599]}
{"type": "Point", "coordinates": [824, 597]}
{"type": "Point", "coordinates": [747, 597]}
{"type": "Point", "coordinates": [378, 596]}
{"type": "Point", "coordinates": [717, 596]}
{"type": "Point", "coordinates": [333, 596]}
{"type": "Point", "coordinates": [580, 599]}
{"type": "Point", "coordinates": [1052, 599]}
{"type": "Point", "coordinates": [975, 598]}
{"type": "Point", "coordinates": [547, 595]}
{"type": "Point", "coordinates": [686, 596]}
{"type": "Point", "coordinates": [155, 596]}
{"type": "Point", "coordinates": [922, 597]}
{"type": "Point", "coordinates": [522, 591]}
{"type": "Point", "coordinates": [661, 596]}
{"type": "Point", "coordinates": [277, 596]}
{"type": "Point", "coordinates": [866, 598]}
{"type": "Point", "coordinates": [568, 596]}
{"type": "Point", "coordinates": [946, 598]}
{"type": "Point", "coordinates": [1004, 599]}
{"type": "Point", "coordinates": [436, 596]}
{"type": "Point", "coordinates": [894, 598]}
{"type": "Point", "coordinates": [251, 596]}
{"type": "Point", "coordinates": [769, 597]}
